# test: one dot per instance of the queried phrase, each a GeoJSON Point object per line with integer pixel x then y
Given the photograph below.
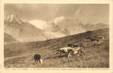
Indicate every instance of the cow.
{"type": "Point", "coordinates": [70, 51]}
{"type": "Point", "coordinates": [37, 58]}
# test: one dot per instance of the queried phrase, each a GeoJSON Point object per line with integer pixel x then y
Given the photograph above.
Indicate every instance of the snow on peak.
{"type": "Point", "coordinates": [14, 18]}
{"type": "Point", "coordinates": [10, 18]}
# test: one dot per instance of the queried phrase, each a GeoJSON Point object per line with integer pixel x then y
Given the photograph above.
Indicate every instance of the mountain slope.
{"type": "Point", "coordinates": [8, 38]}
{"type": "Point", "coordinates": [97, 26]}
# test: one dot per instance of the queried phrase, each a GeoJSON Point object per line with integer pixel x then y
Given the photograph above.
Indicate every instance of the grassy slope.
{"type": "Point", "coordinates": [95, 56]}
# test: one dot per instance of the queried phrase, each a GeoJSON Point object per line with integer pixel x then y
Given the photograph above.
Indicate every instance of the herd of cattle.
{"type": "Point", "coordinates": [71, 49]}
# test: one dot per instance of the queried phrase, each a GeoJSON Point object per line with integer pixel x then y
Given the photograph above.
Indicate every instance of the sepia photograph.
{"type": "Point", "coordinates": [56, 35]}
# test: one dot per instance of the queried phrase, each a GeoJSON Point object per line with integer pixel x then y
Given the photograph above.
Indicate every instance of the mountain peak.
{"type": "Point", "coordinates": [13, 18]}
{"type": "Point", "coordinates": [10, 17]}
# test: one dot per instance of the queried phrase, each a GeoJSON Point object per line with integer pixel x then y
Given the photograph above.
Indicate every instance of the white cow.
{"type": "Point", "coordinates": [69, 51]}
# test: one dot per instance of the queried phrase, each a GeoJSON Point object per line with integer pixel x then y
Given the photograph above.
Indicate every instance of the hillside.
{"type": "Point", "coordinates": [20, 54]}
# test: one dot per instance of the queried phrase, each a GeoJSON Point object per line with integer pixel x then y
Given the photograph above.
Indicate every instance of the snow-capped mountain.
{"type": "Point", "coordinates": [22, 31]}
{"type": "Point", "coordinates": [13, 19]}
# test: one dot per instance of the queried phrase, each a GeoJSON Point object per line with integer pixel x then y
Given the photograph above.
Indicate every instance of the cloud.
{"type": "Point", "coordinates": [47, 28]}
{"type": "Point", "coordinates": [58, 19]}
{"type": "Point", "coordinates": [41, 24]}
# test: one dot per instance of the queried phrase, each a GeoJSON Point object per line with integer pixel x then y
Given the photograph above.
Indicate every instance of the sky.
{"type": "Point", "coordinates": [86, 13]}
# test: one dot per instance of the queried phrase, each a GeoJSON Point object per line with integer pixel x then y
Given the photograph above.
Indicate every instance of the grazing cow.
{"type": "Point", "coordinates": [99, 40]}
{"type": "Point", "coordinates": [69, 51]}
{"type": "Point", "coordinates": [37, 58]}
{"type": "Point", "coordinates": [96, 40]}
{"type": "Point", "coordinates": [64, 50]}
{"type": "Point", "coordinates": [77, 49]}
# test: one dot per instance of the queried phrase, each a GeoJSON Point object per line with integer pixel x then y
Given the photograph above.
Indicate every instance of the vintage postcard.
{"type": "Point", "coordinates": [70, 36]}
